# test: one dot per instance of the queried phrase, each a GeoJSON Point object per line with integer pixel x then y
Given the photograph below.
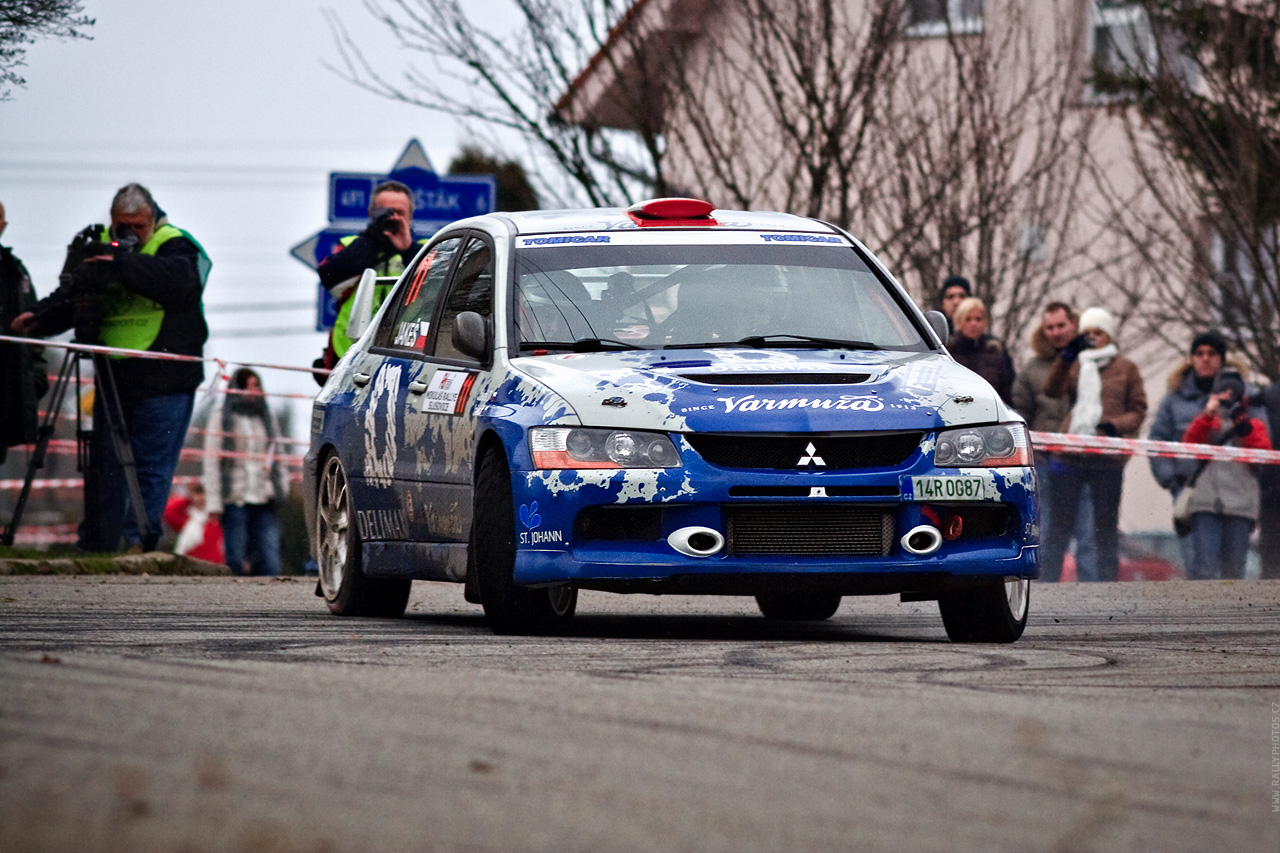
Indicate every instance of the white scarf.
{"type": "Point", "coordinates": [1087, 411]}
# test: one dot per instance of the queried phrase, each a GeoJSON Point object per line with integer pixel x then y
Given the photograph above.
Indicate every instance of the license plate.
{"type": "Point", "coordinates": [948, 488]}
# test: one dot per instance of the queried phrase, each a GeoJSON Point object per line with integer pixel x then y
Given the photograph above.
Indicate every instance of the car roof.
{"type": "Point", "coordinates": [616, 219]}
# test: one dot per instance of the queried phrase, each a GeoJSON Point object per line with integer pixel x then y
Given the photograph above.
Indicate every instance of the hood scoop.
{"type": "Point", "coordinates": [777, 378]}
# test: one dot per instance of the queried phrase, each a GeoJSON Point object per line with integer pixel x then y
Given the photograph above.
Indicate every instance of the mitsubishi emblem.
{"type": "Point", "coordinates": [810, 457]}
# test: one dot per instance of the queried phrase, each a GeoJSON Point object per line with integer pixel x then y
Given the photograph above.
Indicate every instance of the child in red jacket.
{"type": "Point", "coordinates": [199, 533]}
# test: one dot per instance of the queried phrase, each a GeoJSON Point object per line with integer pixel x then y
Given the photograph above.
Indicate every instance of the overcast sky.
{"type": "Point", "coordinates": [226, 113]}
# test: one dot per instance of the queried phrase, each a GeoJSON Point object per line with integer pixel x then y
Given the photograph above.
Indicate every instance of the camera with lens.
{"type": "Point", "coordinates": [85, 272]}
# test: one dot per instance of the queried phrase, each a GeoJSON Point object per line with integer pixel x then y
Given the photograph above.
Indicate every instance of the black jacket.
{"type": "Point", "coordinates": [988, 358]}
{"type": "Point", "coordinates": [24, 371]}
{"type": "Point", "coordinates": [173, 278]}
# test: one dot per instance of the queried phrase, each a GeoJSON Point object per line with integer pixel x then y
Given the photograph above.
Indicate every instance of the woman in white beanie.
{"type": "Point", "coordinates": [1107, 398]}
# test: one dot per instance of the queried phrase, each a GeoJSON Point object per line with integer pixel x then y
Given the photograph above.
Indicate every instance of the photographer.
{"type": "Point", "coordinates": [386, 246]}
{"type": "Point", "coordinates": [1225, 496]}
{"type": "Point", "coordinates": [137, 285]}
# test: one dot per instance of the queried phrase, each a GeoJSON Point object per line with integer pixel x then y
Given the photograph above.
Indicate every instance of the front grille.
{"type": "Point", "coordinates": [839, 531]}
{"type": "Point", "coordinates": [791, 452]}
{"type": "Point", "coordinates": [807, 491]}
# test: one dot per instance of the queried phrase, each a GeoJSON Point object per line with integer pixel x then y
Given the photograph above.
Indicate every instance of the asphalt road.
{"type": "Point", "coordinates": [197, 714]}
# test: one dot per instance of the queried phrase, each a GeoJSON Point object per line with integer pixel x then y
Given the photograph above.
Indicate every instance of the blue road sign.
{"type": "Point", "coordinates": [434, 197]}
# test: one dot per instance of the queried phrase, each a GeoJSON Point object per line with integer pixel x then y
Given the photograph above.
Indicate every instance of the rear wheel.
{"type": "Point", "coordinates": [342, 580]}
{"type": "Point", "coordinates": [993, 613]}
{"type": "Point", "coordinates": [509, 607]}
{"type": "Point", "coordinates": [813, 607]}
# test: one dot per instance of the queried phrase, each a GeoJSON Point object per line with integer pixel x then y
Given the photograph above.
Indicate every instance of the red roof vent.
{"type": "Point", "coordinates": [671, 212]}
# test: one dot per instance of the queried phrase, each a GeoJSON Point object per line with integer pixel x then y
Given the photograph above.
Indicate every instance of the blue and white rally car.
{"type": "Point", "coordinates": [665, 399]}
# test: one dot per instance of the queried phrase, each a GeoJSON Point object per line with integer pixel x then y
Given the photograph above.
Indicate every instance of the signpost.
{"type": "Point", "coordinates": [437, 201]}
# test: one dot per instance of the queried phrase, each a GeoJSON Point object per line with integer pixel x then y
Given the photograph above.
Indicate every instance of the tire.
{"type": "Point", "coordinates": [342, 580]}
{"type": "Point", "coordinates": [993, 613]}
{"type": "Point", "coordinates": [509, 607]}
{"type": "Point", "coordinates": [813, 607]}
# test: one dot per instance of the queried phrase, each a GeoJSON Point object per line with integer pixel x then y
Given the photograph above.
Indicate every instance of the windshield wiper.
{"type": "Point", "coordinates": [601, 344]}
{"type": "Point", "coordinates": [789, 340]}
{"type": "Point", "coordinates": [581, 345]}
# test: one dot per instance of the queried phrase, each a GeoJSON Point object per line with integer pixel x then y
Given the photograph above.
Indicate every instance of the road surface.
{"type": "Point", "coordinates": [206, 714]}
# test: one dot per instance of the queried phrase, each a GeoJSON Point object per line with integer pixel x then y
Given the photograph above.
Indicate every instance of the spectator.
{"type": "Point", "coordinates": [1269, 480]}
{"type": "Point", "coordinates": [149, 297]}
{"type": "Point", "coordinates": [24, 373]}
{"type": "Point", "coordinates": [975, 349]}
{"type": "Point", "coordinates": [1225, 496]}
{"type": "Point", "coordinates": [243, 476]}
{"type": "Point", "coordinates": [199, 532]}
{"type": "Point", "coordinates": [954, 290]}
{"type": "Point", "coordinates": [386, 246]}
{"type": "Point", "coordinates": [1058, 325]}
{"type": "Point", "coordinates": [1107, 398]}
{"type": "Point", "coordinates": [1187, 395]}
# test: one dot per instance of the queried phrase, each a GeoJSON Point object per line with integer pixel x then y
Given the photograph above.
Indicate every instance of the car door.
{"type": "Point", "coordinates": [437, 476]}
{"type": "Point", "coordinates": [389, 376]}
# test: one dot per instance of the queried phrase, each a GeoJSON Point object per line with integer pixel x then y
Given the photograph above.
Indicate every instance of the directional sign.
{"type": "Point", "coordinates": [437, 201]}
{"type": "Point", "coordinates": [449, 198]}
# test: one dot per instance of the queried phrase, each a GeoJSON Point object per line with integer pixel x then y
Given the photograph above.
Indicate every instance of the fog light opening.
{"type": "Point", "coordinates": [696, 541]}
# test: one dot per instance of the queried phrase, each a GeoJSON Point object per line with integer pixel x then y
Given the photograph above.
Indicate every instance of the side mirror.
{"type": "Point", "coordinates": [362, 306]}
{"type": "Point", "coordinates": [938, 322]}
{"type": "Point", "coordinates": [471, 335]}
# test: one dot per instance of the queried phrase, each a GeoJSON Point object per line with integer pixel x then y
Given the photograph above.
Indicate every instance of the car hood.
{"type": "Point", "coordinates": [767, 390]}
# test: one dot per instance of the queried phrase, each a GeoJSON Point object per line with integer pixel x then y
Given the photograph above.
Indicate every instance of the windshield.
{"type": "Point", "coordinates": [776, 295]}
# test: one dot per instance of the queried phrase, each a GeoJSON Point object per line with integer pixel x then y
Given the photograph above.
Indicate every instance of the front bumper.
{"type": "Point", "coordinates": [554, 546]}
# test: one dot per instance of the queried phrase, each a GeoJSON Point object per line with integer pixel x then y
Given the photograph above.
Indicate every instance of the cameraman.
{"type": "Point", "coordinates": [1225, 496]}
{"type": "Point", "coordinates": [138, 286]}
{"type": "Point", "coordinates": [386, 246]}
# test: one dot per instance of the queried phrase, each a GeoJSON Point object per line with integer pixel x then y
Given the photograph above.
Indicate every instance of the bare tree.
{"type": "Point", "coordinates": [1199, 97]}
{"type": "Point", "coordinates": [980, 164]}
{"type": "Point", "coordinates": [954, 154]}
{"type": "Point", "coordinates": [515, 81]}
{"type": "Point", "coordinates": [24, 21]}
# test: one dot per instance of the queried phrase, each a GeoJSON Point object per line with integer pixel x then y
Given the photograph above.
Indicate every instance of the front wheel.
{"type": "Point", "coordinates": [342, 580]}
{"type": "Point", "coordinates": [509, 607]}
{"type": "Point", "coordinates": [992, 613]}
{"type": "Point", "coordinates": [798, 608]}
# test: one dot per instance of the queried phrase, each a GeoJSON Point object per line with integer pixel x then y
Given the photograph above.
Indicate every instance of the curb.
{"type": "Point", "coordinates": [154, 563]}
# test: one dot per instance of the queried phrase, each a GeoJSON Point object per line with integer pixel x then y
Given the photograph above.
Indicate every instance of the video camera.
{"type": "Point", "coordinates": [82, 284]}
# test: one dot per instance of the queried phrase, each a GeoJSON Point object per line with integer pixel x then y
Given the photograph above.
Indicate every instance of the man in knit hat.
{"type": "Point", "coordinates": [953, 291]}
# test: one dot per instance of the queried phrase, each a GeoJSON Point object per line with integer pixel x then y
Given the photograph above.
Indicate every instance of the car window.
{"type": "Point", "coordinates": [407, 323]}
{"type": "Point", "coordinates": [714, 295]}
{"type": "Point", "coordinates": [471, 290]}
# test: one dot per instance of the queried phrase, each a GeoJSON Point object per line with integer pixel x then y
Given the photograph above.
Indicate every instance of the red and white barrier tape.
{"type": "Point", "coordinates": [147, 354]}
{"type": "Point", "coordinates": [69, 447]}
{"type": "Point", "coordinates": [1103, 446]}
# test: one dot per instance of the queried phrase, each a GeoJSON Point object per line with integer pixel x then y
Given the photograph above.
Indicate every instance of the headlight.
{"type": "Point", "coordinates": [577, 447]}
{"type": "Point", "coordinates": [983, 447]}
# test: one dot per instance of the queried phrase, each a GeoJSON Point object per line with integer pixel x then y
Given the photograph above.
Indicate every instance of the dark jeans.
{"type": "Point", "coordinates": [252, 530]}
{"type": "Point", "coordinates": [157, 428]}
{"type": "Point", "coordinates": [1086, 549]}
{"type": "Point", "coordinates": [1269, 534]}
{"type": "Point", "coordinates": [1221, 546]}
{"type": "Point", "coordinates": [1104, 485]}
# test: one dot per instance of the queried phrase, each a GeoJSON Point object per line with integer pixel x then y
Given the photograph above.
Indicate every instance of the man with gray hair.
{"type": "Point", "coordinates": [137, 285]}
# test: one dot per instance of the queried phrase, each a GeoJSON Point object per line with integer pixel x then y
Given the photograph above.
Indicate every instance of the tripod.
{"type": "Point", "coordinates": [92, 534]}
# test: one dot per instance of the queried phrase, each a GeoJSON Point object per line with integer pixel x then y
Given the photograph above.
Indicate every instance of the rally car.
{"type": "Point", "coordinates": [668, 399]}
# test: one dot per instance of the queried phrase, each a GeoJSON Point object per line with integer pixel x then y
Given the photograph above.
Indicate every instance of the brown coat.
{"type": "Point", "coordinates": [1124, 400]}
